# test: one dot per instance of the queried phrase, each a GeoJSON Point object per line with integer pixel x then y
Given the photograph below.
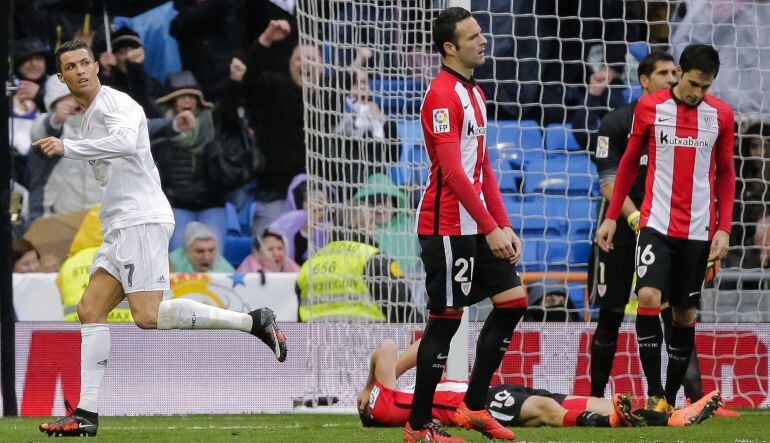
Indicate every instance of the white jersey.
{"type": "Point", "coordinates": [117, 145]}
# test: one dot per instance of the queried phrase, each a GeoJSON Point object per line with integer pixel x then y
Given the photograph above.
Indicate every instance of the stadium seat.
{"type": "Point", "coordinates": [413, 164]}
{"type": "Point", "coordinates": [523, 134]}
{"type": "Point", "coordinates": [233, 223]}
{"type": "Point", "coordinates": [559, 137]}
{"type": "Point", "coordinates": [237, 247]}
{"type": "Point", "coordinates": [639, 49]}
{"type": "Point", "coordinates": [397, 96]}
{"type": "Point", "coordinates": [632, 92]}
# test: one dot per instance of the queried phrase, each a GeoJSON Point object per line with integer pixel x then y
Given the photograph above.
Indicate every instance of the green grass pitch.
{"type": "Point", "coordinates": [753, 426]}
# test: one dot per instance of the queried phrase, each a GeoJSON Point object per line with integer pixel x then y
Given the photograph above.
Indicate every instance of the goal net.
{"type": "Point", "coordinates": [367, 163]}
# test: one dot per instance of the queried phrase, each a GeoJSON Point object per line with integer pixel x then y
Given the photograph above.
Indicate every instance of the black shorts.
{"type": "Point", "coordinates": [460, 270]}
{"type": "Point", "coordinates": [504, 402]}
{"type": "Point", "coordinates": [674, 266]}
{"type": "Point", "coordinates": [611, 274]}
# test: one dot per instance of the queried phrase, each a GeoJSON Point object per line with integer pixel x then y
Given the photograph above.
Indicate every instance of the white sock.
{"type": "Point", "coordinates": [94, 353]}
{"type": "Point", "coordinates": [183, 313]}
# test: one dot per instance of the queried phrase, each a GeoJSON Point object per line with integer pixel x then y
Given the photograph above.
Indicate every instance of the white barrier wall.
{"type": "Point", "coordinates": [36, 297]}
{"type": "Point", "coordinates": [217, 372]}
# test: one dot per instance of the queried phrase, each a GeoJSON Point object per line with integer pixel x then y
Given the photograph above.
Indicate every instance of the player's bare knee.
{"type": "Point", "coordinates": [145, 320]}
{"type": "Point", "coordinates": [649, 297]}
{"type": "Point", "coordinates": [87, 313]}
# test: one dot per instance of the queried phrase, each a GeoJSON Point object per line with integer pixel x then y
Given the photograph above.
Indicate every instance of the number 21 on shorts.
{"type": "Point", "coordinates": [644, 259]}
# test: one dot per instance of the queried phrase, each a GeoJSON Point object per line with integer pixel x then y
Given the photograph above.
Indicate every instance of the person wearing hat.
{"type": "Point", "coordinates": [30, 64]}
{"type": "Point", "coordinates": [123, 69]}
{"type": "Point", "coordinates": [182, 161]}
{"type": "Point", "coordinates": [549, 301]}
{"type": "Point", "coordinates": [59, 185]}
{"type": "Point", "coordinates": [200, 252]}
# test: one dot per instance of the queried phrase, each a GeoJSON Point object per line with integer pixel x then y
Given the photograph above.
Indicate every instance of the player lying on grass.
{"type": "Point", "coordinates": [381, 404]}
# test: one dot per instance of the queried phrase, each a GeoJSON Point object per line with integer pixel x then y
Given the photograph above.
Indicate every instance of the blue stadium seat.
{"type": "Point", "coordinates": [413, 164]}
{"type": "Point", "coordinates": [523, 134]}
{"type": "Point", "coordinates": [578, 254]}
{"type": "Point", "coordinates": [233, 223]}
{"type": "Point", "coordinates": [639, 49]}
{"type": "Point", "coordinates": [397, 96]}
{"type": "Point", "coordinates": [559, 137]}
{"type": "Point", "coordinates": [237, 247]}
{"type": "Point", "coordinates": [632, 92]}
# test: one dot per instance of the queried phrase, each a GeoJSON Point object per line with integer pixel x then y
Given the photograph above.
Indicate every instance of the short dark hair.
{"type": "Point", "coordinates": [647, 65]}
{"type": "Point", "coordinates": [444, 27]}
{"type": "Point", "coordinates": [71, 45]}
{"type": "Point", "coordinates": [701, 57]}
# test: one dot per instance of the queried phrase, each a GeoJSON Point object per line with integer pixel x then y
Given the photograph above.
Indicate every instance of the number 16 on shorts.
{"type": "Point", "coordinates": [644, 258]}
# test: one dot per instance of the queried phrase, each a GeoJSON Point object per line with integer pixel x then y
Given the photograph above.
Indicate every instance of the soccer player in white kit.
{"type": "Point", "coordinates": [137, 223]}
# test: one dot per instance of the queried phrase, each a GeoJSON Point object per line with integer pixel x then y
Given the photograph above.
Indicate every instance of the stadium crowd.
{"type": "Point", "coordinates": [227, 128]}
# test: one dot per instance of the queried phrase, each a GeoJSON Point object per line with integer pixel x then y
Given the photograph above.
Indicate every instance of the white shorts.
{"type": "Point", "coordinates": [137, 256]}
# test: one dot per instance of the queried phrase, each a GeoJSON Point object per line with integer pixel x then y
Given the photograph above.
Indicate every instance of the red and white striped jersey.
{"type": "Point", "coordinates": [690, 163]}
{"type": "Point", "coordinates": [390, 407]}
{"type": "Point", "coordinates": [461, 197]}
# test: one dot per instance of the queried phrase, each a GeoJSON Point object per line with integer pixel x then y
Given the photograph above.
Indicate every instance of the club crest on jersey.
{"type": "Point", "coordinates": [641, 270]}
{"type": "Point", "coordinates": [441, 120]}
{"type": "Point", "coordinates": [466, 287]}
{"type": "Point", "coordinates": [475, 130]}
{"type": "Point", "coordinates": [601, 289]}
{"type": "Point", "coordinates": [710, 121]}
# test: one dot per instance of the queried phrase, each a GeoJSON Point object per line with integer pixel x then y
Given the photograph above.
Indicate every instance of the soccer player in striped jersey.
{"type": "Point", "coordinates": [689, 139]}
{"type": "Point", "coordinates": [468, 246]}
{"type": "Point", "coordinates": [383, 404]}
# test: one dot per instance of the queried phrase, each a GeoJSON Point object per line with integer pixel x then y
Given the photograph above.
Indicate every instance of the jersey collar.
{"type": "Point", "coordinates": [468, 81]}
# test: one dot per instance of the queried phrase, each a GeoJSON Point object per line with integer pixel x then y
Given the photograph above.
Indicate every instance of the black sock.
{"type": "Point", "coordinates": [435, 343]}
{"type": "Point", "coordinates": [652, 418]}
{"type": "Point", "coordinates": [649, 337]}
{"type": "Point", "coordinates": [588, 418]}
{"type": "Point", "coordinates": [691, 381]}
{"type": "Point", "coordinates": [603, 347]}
{"type": "Point", "coordinates": [494, 339]}
{"type": "Point", "coordinates": [668, 318]}
{"type": "Point", "coordinates": [682, 342]}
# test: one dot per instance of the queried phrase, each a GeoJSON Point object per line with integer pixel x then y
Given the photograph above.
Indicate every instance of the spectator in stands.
{"type": "Point", "coordinates": [181, 157]}
{"type": "Point", "coordinates": [200, 252]}
{"type": "Point", "coordinates": [275, 104]}
{"type": "Point", "coordinates": [268, 254]}
{"type": "Point", "coordinates": [25, 256]}
{"type": "Point", "coordinates": [123, 69]}
{"type": "Point", "coordinates": [30, 65]}
{"type": "Point", "coordinates": [253, 18]}
{"type": "Point", "coordinates": [604, 94]}
{"type": "Point", "coordinates": [206, 31]}
{"type": "Point", "coordinates": [57, 184]}
{"type": "Point", "coordinates": [393, 218]}
{"type": "Point", "coordinates": [548, 301]}
{"type": "Point", "coordinates": [293, 224]}
{"type": "Point", "coordinates": [370, 140]}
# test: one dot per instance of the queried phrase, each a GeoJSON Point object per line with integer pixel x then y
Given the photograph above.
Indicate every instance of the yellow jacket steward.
{"type": "Point", "coordinates": [338, 290]}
